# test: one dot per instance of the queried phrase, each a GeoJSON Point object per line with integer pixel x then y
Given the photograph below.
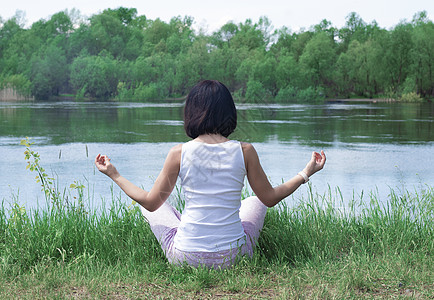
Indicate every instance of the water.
{"type": "Point", "coordinates": [370, 147]}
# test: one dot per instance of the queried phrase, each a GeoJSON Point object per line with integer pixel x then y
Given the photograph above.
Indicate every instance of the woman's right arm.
{"type": "Point", "coordinates": [162, 187]}
{"type": "Point", "coordinates": [260, 185]}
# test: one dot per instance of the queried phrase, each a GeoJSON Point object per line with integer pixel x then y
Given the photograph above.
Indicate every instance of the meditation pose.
{"type": "Point", "coordinates": [216, 226]}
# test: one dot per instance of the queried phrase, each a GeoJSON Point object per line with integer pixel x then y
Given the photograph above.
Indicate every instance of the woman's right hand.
{"type": "Point", "coordinates": [104, 165]}
{"type": "Point", "coordinates": [315, 164]}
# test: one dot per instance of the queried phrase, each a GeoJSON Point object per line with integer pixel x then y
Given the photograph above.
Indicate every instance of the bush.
{"type": "Point", "coordinates": [255, 91]}
{"type": "Point", "coordinates": [146, 92]}
{"type": "Point", "coordinates": [124, 93]}
{"type": "Point", "coordinates": [310, 94]}
{"type": "Point", "coordinates": [286, 94]}
{"type": "Point", "coordinates": [411, 97]}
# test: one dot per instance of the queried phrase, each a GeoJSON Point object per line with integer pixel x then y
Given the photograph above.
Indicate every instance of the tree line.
{"type": "Point", "coordinates": [118, 54]}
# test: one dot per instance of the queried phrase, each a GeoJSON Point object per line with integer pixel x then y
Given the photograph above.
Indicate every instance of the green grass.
{"type": "Point", "coordinates": [311, 250]}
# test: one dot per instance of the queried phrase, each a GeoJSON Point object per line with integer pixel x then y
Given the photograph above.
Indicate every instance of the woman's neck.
{"type": "Point", "coordinates": [211, 138]}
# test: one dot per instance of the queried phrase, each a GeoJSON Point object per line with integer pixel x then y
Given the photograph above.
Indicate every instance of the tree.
{"type": "Point", "coordinates": [123, 14]}
{"type": "Point", "coordinates": [360, 73]}
{"type": "Point", "coordinates": [192, 66]}
{"type": "Point", "coordinates": [396, 56]}
{"type": "Point", "coordinates": [288, 71]}
{"type": "Point", "coordinates": [107, 33]}
{"type": "Point", "coordinates": [95, 76]}
{"type": "Point", "coordinates": [49, 73]}
{"type": "Point", "coordinates": [264, 71]}
{"type": "Point", "coordinates": [299, 43]}
{"type": "Point", "coordinates": [157, 31]}
{"type": "Point", "coordinates": [7, 31]}
{"type": "Point", "coordinates": [252, 36]}
{"type": "Point", "coordinates": [222, 37]}
{"type": "Point", "coordinates": [59, 24]}
{"type": "Point", "coordinates": [326, 26]}
{"type": "Point", "coordinates": [317, 61]}
{"type": "Point", "coordinates": [284, 40]}
{"type": "Point", "coordinates": [422, 55]}
{"type": "Point", "coordinates": [354, 29]}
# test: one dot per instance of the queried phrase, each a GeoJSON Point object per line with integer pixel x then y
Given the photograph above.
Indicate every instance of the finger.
{"type": "Point", "coordinates": [106, 160]}
{"type": "Point", "coordinates": [314, 156]}
{"type": "Point", "coordinates": [323, 158]}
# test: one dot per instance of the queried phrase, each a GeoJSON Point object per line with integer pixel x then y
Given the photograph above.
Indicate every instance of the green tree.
{"type": "Point", "coordinates": [288, 71]}
{"type": "Point", "coordinates": [222, 37]}
{"type": "Point", "coordinates": [422, 55]}
{"type": "Point", "coordinates": [157, 31]}
{"type": "Point", "coordinates": [49, 73]}
{"type": "Point", "coordinates": [252, 36]}
{"type": "Point", "coordinates": [354, 29]}
{"type": "Point", "coordinates": [300, 40]}
{"type": "Point", "coordinates": [397, 55]}
{"type": "Point", "coordinates": [192, 66]}
{"type": "Point", "coordinates": [326, 26]}
{"type": "Point", "coordinates": [360, 73]}
{"type": "Point", "coordinates": [284, 40]}
{"type": "Point", "coordinates": [318, 60]}
{"type": "Point", "coordinates": [95, 76]}
{"type": "Point", "coordinates": [255, 91]}
{"type": "Point", "coordinates": [107, 32]}
{"type": "Point", "coordinates": [9, 31]}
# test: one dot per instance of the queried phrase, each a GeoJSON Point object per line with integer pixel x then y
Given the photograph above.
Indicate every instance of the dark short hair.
{"type": "Point", "coordinates": [209, 109]}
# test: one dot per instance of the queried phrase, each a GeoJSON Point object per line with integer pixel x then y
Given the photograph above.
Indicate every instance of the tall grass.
{"type": "Point", "coordinates": [317, 229]}
{"type": "Point", "coordinates": [312, 230]}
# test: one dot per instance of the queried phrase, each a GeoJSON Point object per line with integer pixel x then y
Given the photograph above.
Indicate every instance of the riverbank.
{"type": "Point", "coordinates": [313, 250]}
{"type": "Point", "coordinates": [11, 96]}
{"type": "Point", "coordinates": [358, 100]}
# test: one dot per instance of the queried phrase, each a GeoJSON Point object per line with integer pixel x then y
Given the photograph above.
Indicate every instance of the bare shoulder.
{"type": "Point", "coordinates": [175, 153]}
{"type": "Point", "coordinates": [176, 149]}
{"type": "Point", "coordinates": [250, 156]}
{"type": "Point", "coordinates": [248, 149]}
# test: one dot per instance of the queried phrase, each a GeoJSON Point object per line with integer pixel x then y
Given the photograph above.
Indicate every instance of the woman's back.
{"type": "Point", "coordinates": [212, 177]}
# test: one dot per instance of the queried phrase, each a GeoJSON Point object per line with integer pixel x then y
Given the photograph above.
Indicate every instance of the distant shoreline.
{"type": "Point", "coordinates": [179, 99]}
{"type": "Point", "coordinates": [372, 100]}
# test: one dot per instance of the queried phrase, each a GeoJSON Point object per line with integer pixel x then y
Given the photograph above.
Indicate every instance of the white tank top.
{"type": "Point", "coordinates": [212, 177]}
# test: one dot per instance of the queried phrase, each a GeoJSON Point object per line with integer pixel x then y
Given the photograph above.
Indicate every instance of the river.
{"type": "Point", "coordinates": [370, 147]}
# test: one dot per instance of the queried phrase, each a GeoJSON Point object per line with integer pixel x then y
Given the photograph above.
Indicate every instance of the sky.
{"type": "Point", "coordinates": [211, 15]}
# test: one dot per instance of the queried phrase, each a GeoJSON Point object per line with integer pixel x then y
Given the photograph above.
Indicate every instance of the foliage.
{"type": "Point", "coordinates": [410, 97]}
{"type": "Point", "coordinates": [33, 164]}
{"type": "Point", "coordinates": [18, 82]}
{"type": "Point", "coordinates": [287, 94]}
{"type": "Point", "coordinates": [255, 91]}
{"type": "Point", "coordinates": [118, 54]}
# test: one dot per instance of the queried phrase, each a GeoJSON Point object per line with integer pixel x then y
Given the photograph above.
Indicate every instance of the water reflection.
{"type": "Point", "coordinates": [68, 122]}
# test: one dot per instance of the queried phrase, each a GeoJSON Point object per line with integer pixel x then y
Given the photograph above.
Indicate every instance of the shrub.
{"type": "Point", "coordinates": [146, 92]}
{"type": "Point", "coordinates": [411, 97]}
{"type": "Point", "coordinates": [310, 94]}
{"type": "Point", "coordinates": [255, 91]}
{"type": "Point", "coordinates": [286, 94]}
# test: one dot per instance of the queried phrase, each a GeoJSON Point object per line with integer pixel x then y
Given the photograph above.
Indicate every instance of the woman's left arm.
{"type": "Point", "coordinates": [162, 187]}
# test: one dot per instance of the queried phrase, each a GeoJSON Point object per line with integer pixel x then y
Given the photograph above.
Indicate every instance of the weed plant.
{"type": "Point", "coordinates": [315, 249]}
